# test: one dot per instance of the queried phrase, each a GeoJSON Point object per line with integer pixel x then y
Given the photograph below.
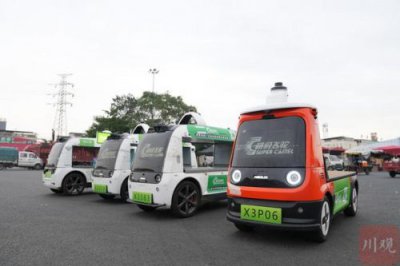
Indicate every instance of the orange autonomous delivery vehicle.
{"type": "Point", "coordinates": [277, 174]}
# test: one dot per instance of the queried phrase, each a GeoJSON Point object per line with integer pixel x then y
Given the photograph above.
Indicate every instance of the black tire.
{"type": "Point", "coordinates": [107, 196]}
{"type": "Point", "coordinates": [2, 166]}
{"type": "Point", "coordinates": [366, 171]}
{"type": "Point", "coordinates": [146, 208]}
{"type": "Point", "coordinates": [37, 167]}
{"type": "Point", "coordinates": [74, 183]}
{"type": "Point", "coordinates": [321, 234]}
{"type": "Point", "coordinates": [244, 227]}
{"type": "Point", "coordinates": [57, 191]}
{"type": "Point", "coordinates": [124, 194]}
{"type": "Point", "coordinates": [186, 199]}
{"type": "Point", "coordinates": [351, 210]}
{"type": "Point", "coordinates": [392, 174]}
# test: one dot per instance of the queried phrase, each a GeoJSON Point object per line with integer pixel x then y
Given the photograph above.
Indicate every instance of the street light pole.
{"type": "Point", "coordinates": [153, 71]}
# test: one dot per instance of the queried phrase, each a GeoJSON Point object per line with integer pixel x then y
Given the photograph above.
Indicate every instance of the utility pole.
{"type": "Point", "coordinates": [153, 72]}
{"type": "Point", "coordinates": [60, 120]}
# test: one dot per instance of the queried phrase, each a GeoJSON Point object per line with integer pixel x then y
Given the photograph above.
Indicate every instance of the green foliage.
{"type": "Point", "coordinates": [126, 112]}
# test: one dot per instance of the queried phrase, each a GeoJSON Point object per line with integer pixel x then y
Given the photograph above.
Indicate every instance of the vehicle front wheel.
{"type": "Point", "coordinates": [73, 183]}
{"type": "Point", "coordinates": [392, 174]}
{"type": "Point", "coordinates": [352, 209]}
{"type": "Point", "coordinates": [321, 233]}
{"type": "Point", "coordinates": [124, 191]}
{"type": "Point", "coordinates": [146, 208]}
{"type": "Point", "coordinates": [186, 199]}
{"type": "Point", "coordinates": [244, 227]}
{"type": "Point", "coordinates": [37, 167]}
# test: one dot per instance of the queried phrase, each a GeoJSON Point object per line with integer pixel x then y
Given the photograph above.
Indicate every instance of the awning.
{"type": "Point", "coordinates": [392, 149]}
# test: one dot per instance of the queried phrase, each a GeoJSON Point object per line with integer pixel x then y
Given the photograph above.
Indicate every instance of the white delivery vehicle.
{"type": "Point", "coordinates": [178, 166]}
{"type": "Point", "coordinates": [114, 162]}
{"type": "Point", "coordinates": [69, 165]}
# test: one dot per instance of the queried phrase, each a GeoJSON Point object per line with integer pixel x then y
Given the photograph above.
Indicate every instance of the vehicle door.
{"type": "Point", "coordinates": [32, 159]}
{"type": "Point", "coordinates": [23, 159]}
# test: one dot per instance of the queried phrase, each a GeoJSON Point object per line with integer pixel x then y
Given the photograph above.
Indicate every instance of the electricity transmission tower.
{"type": "Point", "coordinates": [61, 103]}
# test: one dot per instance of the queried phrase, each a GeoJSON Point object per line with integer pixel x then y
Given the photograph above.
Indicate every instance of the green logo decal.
{"type": "Point", "coordinates": [210, 133]}
{"type": "Point", "coordinates": [342, 194]}
{"type": "Point", "coordinates": [86, 142]}
{"type": "Point", "coordinates": [216, 183]}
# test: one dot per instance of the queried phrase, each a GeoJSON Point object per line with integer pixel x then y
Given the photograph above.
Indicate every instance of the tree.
{"type": "Point", "coordinates": [151, 108]}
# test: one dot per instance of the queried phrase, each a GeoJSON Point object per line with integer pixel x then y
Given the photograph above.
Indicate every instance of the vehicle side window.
{"type": "Point", "coordinates": [222, 153]}
{"type": "Point", "coordinates": [24, 155]}
{"type": "Point", "coordinates": [198, 154]}
{"type": "Point", "coordinates": [204, 154]}
{"type": "Point", "coordinates": [32, 156]}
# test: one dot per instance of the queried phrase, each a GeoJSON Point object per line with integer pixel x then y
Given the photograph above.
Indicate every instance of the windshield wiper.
{"type": "Point", "coordinates": [143, 170]}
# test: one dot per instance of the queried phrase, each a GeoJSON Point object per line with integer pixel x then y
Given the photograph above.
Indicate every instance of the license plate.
{"type": "Point", "coordinates": [261, 214]}
{"type": "Point", "coordinates": [142, 197]}
{"type": "Point", "coordinates": [101, 189]}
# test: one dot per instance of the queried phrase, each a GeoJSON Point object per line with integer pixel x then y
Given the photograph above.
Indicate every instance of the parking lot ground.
{"type": "Point", "coordinates": [38, 227]}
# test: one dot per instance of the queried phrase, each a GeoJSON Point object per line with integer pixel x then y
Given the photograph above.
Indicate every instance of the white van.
{"type": "Point", "coordinates": [29, 160]}
{"type": "Point", "coordinates": [69, 165]}
{"type": "Point", "coordinates": [178, 166]}
{"type": "Point", "coordinates": [114, 162]}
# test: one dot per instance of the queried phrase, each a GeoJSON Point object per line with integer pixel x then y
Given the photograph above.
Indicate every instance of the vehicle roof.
{"type": "Point", "coordinates": [277, 106]}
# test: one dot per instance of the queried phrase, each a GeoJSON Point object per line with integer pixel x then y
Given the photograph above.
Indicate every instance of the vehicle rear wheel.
{"type": "Point", "coordinates": [146, 208]}
{"type": "Point", "coordinates": [124, 191]}
{"type": "Point", "coordinates": [321, 233]}
{"type": "Point", "coordinates": [244, 227]}
{"type": "Point", "coordinates": [37, 167]}
{"type": "Point", "coordinates": [73, 183]}
{"type": "Point", "coordinates": [57, 191]}
{"type": "Point", "coordinates": [186, 199]}
{"type": "Point", "coordinates": [352, 209]}
{"type": "Point", "coordinates": [107, 196]}
{"type": "Point", "coordinates": [392, 174]}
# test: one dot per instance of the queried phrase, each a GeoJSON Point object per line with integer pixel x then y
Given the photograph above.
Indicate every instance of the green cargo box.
{"type": "Point", "coordinates": [8, 155]}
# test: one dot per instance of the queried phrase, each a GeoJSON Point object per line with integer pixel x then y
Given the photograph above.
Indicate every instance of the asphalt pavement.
{"type": "Point", "coordinates": [38, 227]}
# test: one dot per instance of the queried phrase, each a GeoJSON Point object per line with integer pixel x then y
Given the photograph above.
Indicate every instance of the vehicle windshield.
{"type": "Point", "coordinates": [54, 154]}
{"type": "Point", "coordinates": [151, 152]}
{"type": "Point", "coordinates": [277, 142]}
{"type": "Point", "coordinates": [108, 154]}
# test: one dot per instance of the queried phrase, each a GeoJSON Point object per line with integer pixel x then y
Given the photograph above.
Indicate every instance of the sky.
{"type": "Point", "coordinates": [220, 56]}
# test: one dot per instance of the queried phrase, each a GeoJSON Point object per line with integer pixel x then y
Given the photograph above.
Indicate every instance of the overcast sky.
{"type": "Point", "coordinates": [221, 56]}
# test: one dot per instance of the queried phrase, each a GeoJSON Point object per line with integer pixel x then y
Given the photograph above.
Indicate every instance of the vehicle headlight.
{"type": "Point", "coordinates": [158, 178]}
{"type": "Point", "coordinates": [131, 177]}
{"type": "Point", "coordinates": [294, 178]}
{"type": "Point", "coordinates": [236, 176]}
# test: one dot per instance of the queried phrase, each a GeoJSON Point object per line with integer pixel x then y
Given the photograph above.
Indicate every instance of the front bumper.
{"type": "Point", "coordinates": [295, 215]}
{"type": "Point", "coordinates": [161, 193]}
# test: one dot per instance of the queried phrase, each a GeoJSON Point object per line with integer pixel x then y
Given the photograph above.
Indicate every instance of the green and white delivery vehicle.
{"type": "Point", "coordinates": [178, 166]}
{"type": "Point", "coordinates": [70, 164]}
{"type": "Point", "coordinates": [114, 162]}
